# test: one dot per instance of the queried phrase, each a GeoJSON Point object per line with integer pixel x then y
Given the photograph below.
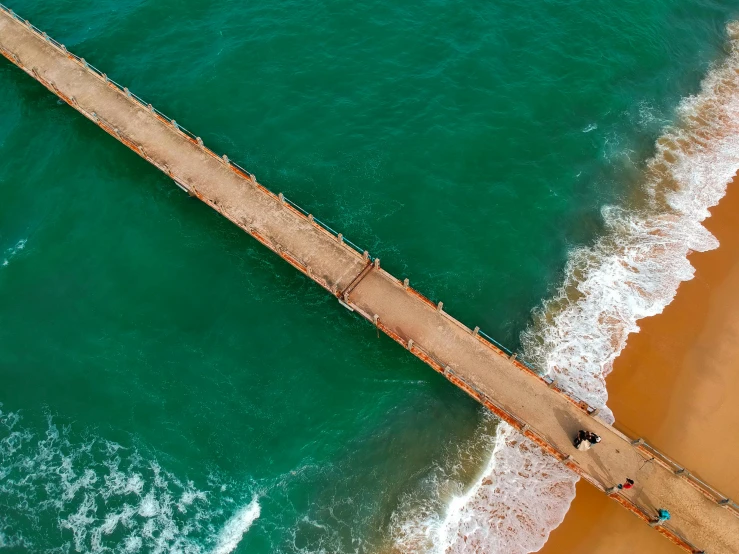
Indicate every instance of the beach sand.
{"type": "Point", "coordinates": [676, 385]}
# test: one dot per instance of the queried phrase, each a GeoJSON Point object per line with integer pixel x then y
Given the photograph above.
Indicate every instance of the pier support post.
{"type": "Point", "coordinates": [476, 330]}
{"type": "Point", "coordinates": [225, 158]}
{"type": "Point", "coordinates": [365, 255]}
{"type": "Point", "coordinates": [406, 281]}
{"type": "Point", "coordinates": [440, 307]}
{"type": "Point", "coordinates": [377, 263]}
{"type": "Point", "coordinates": [340, 237]}
{"type": "Point", "coordinates": [410, 344]}
{"type": "Point", "coordinates": [199, 141]}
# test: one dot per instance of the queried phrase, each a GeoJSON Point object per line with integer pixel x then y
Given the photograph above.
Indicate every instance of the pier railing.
{"type": "Point", "coordinates": [418, 350]}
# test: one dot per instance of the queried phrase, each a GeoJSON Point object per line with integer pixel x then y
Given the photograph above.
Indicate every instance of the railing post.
{"type": "Point", "coordinates": [410, 344]}
{"type": "Point", "coordinates": [310, 218]}
{"type": "Point", "coordinates": [225, 158]}
{"type": "Point", "coordinates": [440, 307]}
{"type": "Point", "coordinates": [340, 237]}
{"type": "Point", "coordinates": [377, 263]}
{"type": "Point", "coordinates": [406, 282]}
{"type": "Point", "coordinates": [199, 141]}
{"type": "Point", "coordinates": [476, 330]}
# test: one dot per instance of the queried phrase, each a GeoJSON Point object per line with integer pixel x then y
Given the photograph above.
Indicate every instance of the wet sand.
{"type": "Point", "coordinates": [676, 384]}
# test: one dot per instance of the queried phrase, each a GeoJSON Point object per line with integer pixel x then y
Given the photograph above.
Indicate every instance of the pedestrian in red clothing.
{"type": "Point", "coordinates": [627, 485]}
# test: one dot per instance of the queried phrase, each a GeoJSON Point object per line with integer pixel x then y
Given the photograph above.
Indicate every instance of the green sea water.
{"type": "Point", "coordinates": [169, 385]}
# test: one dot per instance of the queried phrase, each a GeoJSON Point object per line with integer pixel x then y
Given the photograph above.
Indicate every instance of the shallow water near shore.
{"type": "Point", "coordinates": [168, 385]}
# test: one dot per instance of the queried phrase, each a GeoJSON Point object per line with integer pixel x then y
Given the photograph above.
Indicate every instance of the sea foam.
{"type": "Point", "coordinates": [12, 251]}
{"type": "Point", "coordinates": [95, 496]}
{"type": "Point", "coordinates": [633, 271]}
{"type": "Point", "coordinates": [235, 528]}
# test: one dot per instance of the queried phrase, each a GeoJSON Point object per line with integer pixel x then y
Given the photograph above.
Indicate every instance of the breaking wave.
{"type": "Point", "coordinates": [236, 527]}
{"type": "Point", "coordinates": [633, 271]}
{"type": "Point", "coordinates": [59, 495]}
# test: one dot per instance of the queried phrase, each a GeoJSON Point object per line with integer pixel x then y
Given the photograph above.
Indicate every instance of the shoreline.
{"type": "Point", "coordinates": [672, 385]}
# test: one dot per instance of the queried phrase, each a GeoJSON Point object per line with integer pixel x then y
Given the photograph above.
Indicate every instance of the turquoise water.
{"type": "Point", "coordinates": [167, 384]}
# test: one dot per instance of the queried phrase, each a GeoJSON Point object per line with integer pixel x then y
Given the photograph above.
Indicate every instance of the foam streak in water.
{"type": "Point", "coordinates": [235, 528]}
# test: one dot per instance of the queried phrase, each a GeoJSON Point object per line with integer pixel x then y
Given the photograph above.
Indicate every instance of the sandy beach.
{"type": "Point", "coordinates": [675, 384]}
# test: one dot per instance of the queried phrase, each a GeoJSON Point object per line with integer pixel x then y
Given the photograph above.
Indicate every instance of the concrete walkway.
{"type": "Point", "coordinates": [701, 519]}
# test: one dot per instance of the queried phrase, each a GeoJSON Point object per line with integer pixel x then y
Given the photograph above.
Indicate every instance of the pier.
{"type": "Point", "coordinates": [703, 519]}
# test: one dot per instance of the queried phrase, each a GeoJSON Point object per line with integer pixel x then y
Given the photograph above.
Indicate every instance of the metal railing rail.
{"type": "Point", "coordinates": [680, 471]}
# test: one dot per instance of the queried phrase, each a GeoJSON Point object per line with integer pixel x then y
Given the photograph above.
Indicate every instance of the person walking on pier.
{"type": "Point", "coordinates": [662, 516]}
{"type": "Point", "coordinates": [627, 485]}
{"type": "Point", "coordinates": [585, 440]}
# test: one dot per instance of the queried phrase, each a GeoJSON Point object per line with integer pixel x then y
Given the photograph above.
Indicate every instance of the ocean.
{"type": "Point", "coordinates": [169, 385]}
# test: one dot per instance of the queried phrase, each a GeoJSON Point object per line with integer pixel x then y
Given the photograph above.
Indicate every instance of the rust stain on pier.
{"type": "Point", "coordinates": [702, 519]}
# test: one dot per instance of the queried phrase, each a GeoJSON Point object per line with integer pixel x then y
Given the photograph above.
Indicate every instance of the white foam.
{"type": "Point", "coordinates": [633, 271]}
{"type": "Point", "coordinates": [13, 250]}
{"type": "Point", "coordinates": [235, 528]}
{"type": "Point", "coordinates": [104, 498]}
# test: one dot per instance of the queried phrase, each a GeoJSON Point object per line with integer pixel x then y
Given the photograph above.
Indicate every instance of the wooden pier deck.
{"type": "Point", "coordinates": [703, 520]}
